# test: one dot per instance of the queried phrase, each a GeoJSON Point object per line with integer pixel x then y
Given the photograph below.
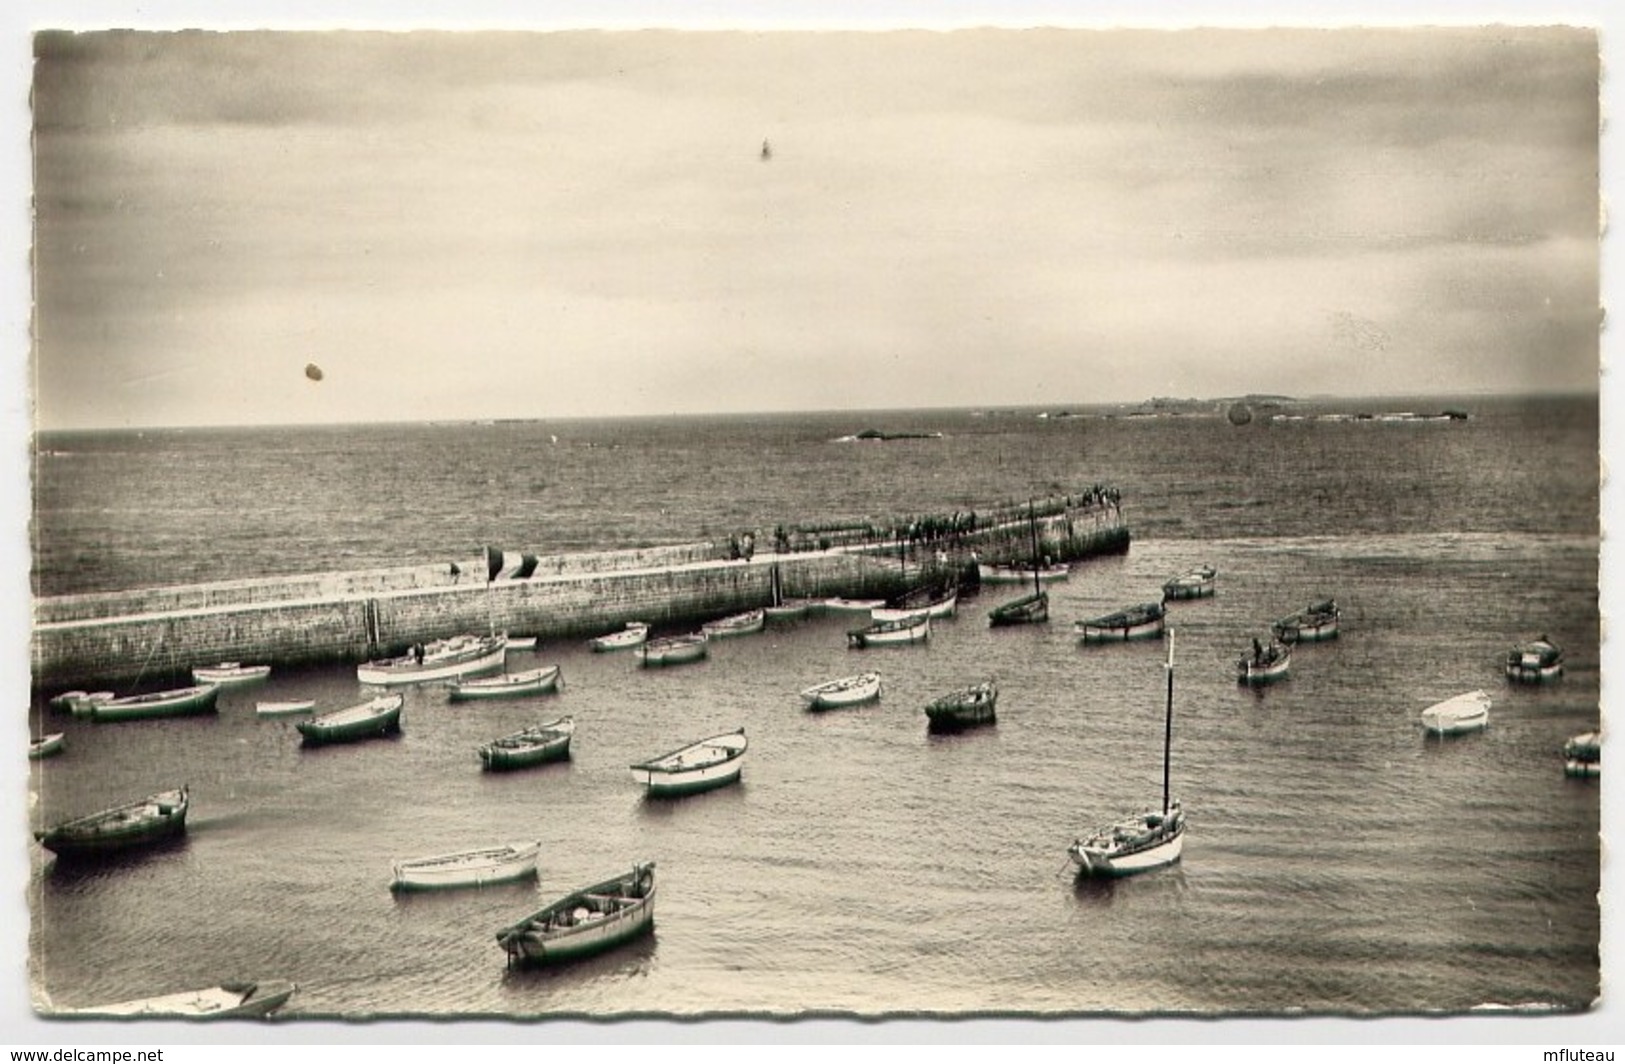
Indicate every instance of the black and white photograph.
{"type": "Point", "coordinates": [895, 521]}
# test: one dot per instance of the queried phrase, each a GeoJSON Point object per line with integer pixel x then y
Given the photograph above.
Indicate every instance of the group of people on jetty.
{"type": "Point", "coordinates": [928, 530]}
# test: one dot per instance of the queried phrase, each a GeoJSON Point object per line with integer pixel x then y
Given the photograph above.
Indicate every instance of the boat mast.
{"type": "Point", "coordinates": [1032, 524]}
{"type": "Point", "coordinates": [1168, 723]}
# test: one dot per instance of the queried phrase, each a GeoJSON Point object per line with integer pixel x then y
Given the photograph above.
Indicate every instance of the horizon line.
{"type": "Point", "coordinates": [496, 419]}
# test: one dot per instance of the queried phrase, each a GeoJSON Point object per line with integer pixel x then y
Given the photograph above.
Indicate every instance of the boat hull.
{"type": "Point", "coordinates": [584, 923]}
{"type": "Point", "coordinates": [742, 624]}
{"type": "Point", "coordinates": [1521, 673]}
{"type": "Point", "coordinates": [963, 709]}
{"type": "Point", "coordinates": [1460, 715]}
{"type": "Point", "coordinates": [211, 1003]}
{"type": "Point", "coordinates": [486, 656]}
{"type": "Point", "coordinates": [1187, 591]}
{"type": "Point", "coordinates": [633, 635]}
{"type": "Point", "coordinates": [475, 868]}
{"type": "Point", "coordinates": [660, 652]}
{"type": "Point", "coordinates": [515, 685]}
{"type": "Point", "coordinates": [1012, 574]}
{"type": "Point", "coordinates": [151, 820]}
{"type": "Point", "coordinates": [1582, 769]}
{"type": "Point", "coordinates": [46, 746]}
{"type": "Point", "coordinates": [1033, 609]}
{"type": "Point", "coordinates": [348, 726]}
{"type": "Point", "coordinates": [538, 746]}
{"type": "Point", "coordinates": [1249, 673]}
{"type": "Point", "coordinates": [291, 707]}
{"type": "Point", "coordinates": [230, 674]}
{"type": "Point", "coordinates": [916, 629]}
{"type": "Point", "coordinates": [851, 691]}
{"type": "Point", "coordinates": [1092, 863]}
{"type": "Point", "coordinates": [1105, 632]}
{"type": "Point", "coordinates": [677, 784]}
{"type": "Point", "coordinates": [183, 702]}
{"type": "Point", "coordinates": [1305, 633]}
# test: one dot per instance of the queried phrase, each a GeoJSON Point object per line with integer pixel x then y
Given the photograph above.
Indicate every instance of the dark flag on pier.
{"type": "Point", "coordinates": [508, 566]}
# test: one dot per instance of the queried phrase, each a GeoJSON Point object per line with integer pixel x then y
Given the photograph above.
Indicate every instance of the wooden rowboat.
{"type": "Point", "coordinates": [442, 659]}
{"type": "Point", "coordinates": [585, 921]}
{"type": "Point", "coordinates": [544, 680]}
{"type": "Point", "coordinates": [285, 708]}
{"type": "Point", "coordinates": [1264, 664]}
{"type": "Point", "coordinates": [180, 702]}
{"type": "Point", "coordinates": [699, 766]}
{"type": "Point", "coordinates": [1310, 624]}
{"type": "Point", "coordinates": [847, 691]}
{"type": "Point", "coordinates": [914, 628]}
{"type": "Point", "coordinates": [134, 824]}
{"type": "Point", "coordinates": [1198, 583]}
{"type": "Point", "coordinates": [673, 650]}
{"type": "Point", "coordinates": [964, 708]}
{"type": "Point", "coordinates": [45, 745]}
{"type": "Point", "coordinates": [739, 624]}
{"type": "Point", "coordinates": [1458, 715]}
{"type": "Point", "coordinates": [536, 745]}
{"type": "Point", "coordinates": [470, 868]}
{"type": "Point", "coordinates": [1148, 620]}
{"type": "Point", "coordinates": [210, 1003]}
{"type": "Point", "coordinates": [634, 634]}
{"type": "Point", "coordinates": [377, 716]}
{"type": "Point", "coordinates": [230, 672]}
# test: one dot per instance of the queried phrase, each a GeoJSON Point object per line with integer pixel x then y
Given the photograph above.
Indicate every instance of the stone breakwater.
{"type": "Point", "coordinates": [120, 637]}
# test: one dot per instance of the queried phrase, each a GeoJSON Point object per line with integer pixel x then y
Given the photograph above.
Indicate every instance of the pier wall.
{"type": "Point", "coordinates": [119, 638]}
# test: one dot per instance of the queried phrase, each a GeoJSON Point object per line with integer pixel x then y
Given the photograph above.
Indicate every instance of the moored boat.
{"type": "Point", "coordinates": [913, 628]}
{"type": "Point", "coordinates": [46, 745]}
{"type": "Point", "coordinates": [230, 672]}
{"type": "Point", "coordinates": [964, 708]}
{"type": "Point", "coordinates": [1457, 715]}
{"type": "Point", "coordinates": [1141, 841]}
{"type": "Point", "coordinates": [1587, 746]}
{"type": "Point", "coordinates": [1311, 624]}
{"type": "Point", "coordinates": [376, 716]}
{"type": "Point", "coordinates": [585, 921]}
{"type": "Point", "coordinates": [1265, 664]}
{"type": "Point", "coordinates": [1197, 583]}
{"type": "Point", "coordinates": [139, 823]}
{"type": "Point", "coordinates": [934, 602]}
{"type": "Point", "coordinates": [226, 1000]}
{"type": "Point", "coordinates": [285, 708]}
{"type": "Point", "coordinates": [865, 606]}
{"type": "Point", "coordinates": [1016, 573]}
{"type": "Point", "coordinates": [544, 680]}
{"type": "Point", "coordinates": [634, 634]}
{"type": "Point", "coordinates": [1028, 609]}
{"type": "Point", "coordinates": [179, 702]}
{"type": "Point", "coordinates": [1148, 620]}
{"type": "Point", "coordinates": [739, 624]}
{"type": "Point", "coordinates": [441, 659]}
{"type": "Point", "coordinates": [847, 691]}
{"type": "Point", "coordinates": [699, 766]}
{"type": "Point", "coordinates": [535, 745]}
{"type": "Point", "coordinates": [674, 650]}
{"type": "Point", "coordinates": [469, 868]}
{"type": "Point", "coordinates": [1535, 662]}
{"type": "Point", "coordinates": [781, 607]}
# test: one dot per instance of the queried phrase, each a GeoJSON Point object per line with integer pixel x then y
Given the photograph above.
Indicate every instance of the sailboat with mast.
{"type": "Point", "coordinates": [1142, 841]}
{"type": "Point", "coordinates": [1032, 608]}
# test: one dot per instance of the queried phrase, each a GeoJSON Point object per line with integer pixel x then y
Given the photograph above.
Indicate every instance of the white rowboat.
{"type": "Point", "coordinates": [470, 868]}
{"type": "Point", "coordinates": [1463, 713]}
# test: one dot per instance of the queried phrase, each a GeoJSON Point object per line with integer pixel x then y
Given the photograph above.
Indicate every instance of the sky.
{"type": "Point", "coordinates": [546, 223]}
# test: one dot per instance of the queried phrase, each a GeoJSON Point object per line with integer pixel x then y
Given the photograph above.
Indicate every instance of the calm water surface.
{"type": "Point", "coordinates": [1336, 861]}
